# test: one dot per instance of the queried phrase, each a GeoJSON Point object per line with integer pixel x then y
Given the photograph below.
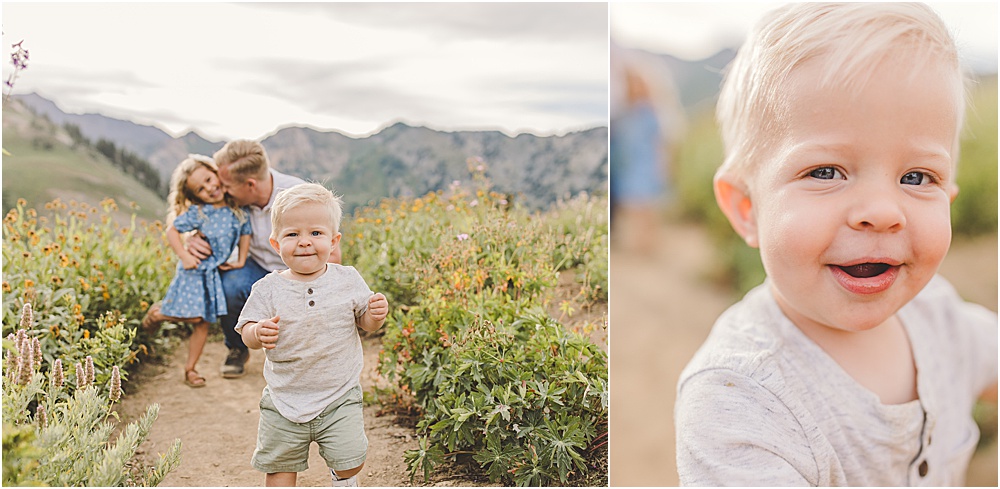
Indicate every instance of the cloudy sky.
{"type": "Point", "coordinates": [242, 70]}
{"type": "Point", "coordinates": [695, 31]}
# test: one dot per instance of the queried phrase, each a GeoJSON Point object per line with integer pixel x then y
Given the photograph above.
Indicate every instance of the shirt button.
{"type": "Point", "coordinates": [922, 470]}
{"type": "Point", "coordinates": [313, 303]}
{"type": "Point", "coordinates": [310, 291]}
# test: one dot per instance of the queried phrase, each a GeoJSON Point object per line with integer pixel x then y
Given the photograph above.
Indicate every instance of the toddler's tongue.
{"type": "Point", "coordinates": [866, 270]}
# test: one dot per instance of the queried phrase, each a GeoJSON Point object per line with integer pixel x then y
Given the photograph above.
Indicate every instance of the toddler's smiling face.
{"type": "Point", "coordinates": [851, 210]}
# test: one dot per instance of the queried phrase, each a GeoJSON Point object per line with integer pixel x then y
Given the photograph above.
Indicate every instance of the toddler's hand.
{"type": "Point", "coordinates": [267, 332]}
{"type": "Point", "coordinates": [378, 307]}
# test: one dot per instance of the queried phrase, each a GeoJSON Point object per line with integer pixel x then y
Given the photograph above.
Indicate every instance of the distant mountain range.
{"type": "Point", "coordinates": [398, 161]}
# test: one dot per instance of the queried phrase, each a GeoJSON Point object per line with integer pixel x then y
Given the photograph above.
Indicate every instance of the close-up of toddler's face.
{"type": "Point", "coordinates": [852, 207]}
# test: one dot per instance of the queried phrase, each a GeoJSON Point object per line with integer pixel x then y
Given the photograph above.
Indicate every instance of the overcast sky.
{"type": "Point", "coordinates": [695, 31]}
{"type": "Point", "coordinates": [243, 70]}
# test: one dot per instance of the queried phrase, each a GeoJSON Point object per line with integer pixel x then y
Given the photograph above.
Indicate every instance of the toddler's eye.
{"type": "Point", "coordinates": [826, 173]}
{"type": "Point", "coordinates": [317, 233]}
{"type": "Point", "coordinates": [292, 235]}
{"type": "Point", "coordinates": [913, 178]}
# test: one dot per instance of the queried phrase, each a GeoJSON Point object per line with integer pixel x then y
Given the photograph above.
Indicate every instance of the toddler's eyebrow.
{"type": "Point", "coordinates": [820, 148]}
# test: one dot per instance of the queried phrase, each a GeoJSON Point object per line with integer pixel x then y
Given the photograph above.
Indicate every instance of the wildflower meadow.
{"type": "Point", "coordinates": [75, 282]}
{"type": "Point", "coordinates": [488, 347]}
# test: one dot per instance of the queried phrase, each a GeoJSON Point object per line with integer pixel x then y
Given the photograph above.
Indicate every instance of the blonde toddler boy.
{"type": "Point", "coordinates": [854, 363]}
{"type": "Point", "coordinates": [305, 318]}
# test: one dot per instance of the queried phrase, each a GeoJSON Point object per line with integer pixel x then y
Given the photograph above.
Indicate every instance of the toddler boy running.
{"type": "Point", "coordinates": [305, 318]}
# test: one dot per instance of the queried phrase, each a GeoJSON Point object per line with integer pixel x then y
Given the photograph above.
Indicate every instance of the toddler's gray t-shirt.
{"type": "Point", "coordinates": [318, 357]}
{"type": "Point", "coordinates": [761, 404]}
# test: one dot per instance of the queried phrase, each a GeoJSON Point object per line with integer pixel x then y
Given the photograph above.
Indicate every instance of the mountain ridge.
{"type": "Point", "coordinates": [413, 159]}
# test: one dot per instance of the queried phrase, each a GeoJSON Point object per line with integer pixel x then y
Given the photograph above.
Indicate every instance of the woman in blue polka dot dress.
{"type": "Point", "coordinates": [199, 203]}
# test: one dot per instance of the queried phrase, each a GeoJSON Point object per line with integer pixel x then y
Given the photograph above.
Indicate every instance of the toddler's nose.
{"type": "Point", "coordinates": [879, 211]}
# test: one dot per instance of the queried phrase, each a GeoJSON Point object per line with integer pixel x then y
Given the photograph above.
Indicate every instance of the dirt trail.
{"type": "Point", "coordinates": [663, 308]}
{"type": "Point", "coordinates": [217, 424]}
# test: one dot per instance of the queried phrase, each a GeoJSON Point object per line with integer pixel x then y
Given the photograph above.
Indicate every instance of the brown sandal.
{"type": "Point", "coordinates": [197, 381]}
{"type": "Point", "coordinates": [148, 322]}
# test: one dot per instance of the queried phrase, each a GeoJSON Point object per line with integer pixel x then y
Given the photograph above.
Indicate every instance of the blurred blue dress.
{"type": "Point", "coordinates": [197, 292]}
{"type": "Point", "coordinates": [637, 173]}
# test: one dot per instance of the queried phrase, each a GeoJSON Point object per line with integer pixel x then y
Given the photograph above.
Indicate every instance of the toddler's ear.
{"type": "Point", "coordinates": [275, 245]}
{"type": "Point", "coordinates": [734, 200]}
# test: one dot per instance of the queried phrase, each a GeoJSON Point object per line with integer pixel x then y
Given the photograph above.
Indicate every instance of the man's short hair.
{"type": "Point", "coordinates": [244, 159]}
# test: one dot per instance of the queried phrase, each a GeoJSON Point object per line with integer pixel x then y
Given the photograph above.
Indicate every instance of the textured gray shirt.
{"type": "Point", "coordinates": [761, 404]}
{"type": "Point", "coordinates": [318, 357]}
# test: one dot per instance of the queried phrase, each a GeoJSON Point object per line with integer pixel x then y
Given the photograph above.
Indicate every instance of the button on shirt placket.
{"type": "Point", "coordinates": [312, 302]}
{"type": "Point", "coordinates": [920, 467]}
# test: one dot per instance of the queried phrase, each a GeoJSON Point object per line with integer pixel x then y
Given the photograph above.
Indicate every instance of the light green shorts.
{"type": "Point", "coordinates": [283, 446]}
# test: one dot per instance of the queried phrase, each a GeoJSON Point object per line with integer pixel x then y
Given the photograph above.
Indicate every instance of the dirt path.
{"type": "Point", "coordinates": [217, 425]}
{"type": "Point", "coordinates": [662, 308]}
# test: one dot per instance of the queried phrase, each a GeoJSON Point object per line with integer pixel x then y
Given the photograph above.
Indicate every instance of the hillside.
{"type": "Point", "coordinates": [43, 165]}
{"type": "Point", "coordinates": [398, 161]}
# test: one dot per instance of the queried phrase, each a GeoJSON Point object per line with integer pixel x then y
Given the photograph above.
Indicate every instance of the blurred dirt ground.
{"type": "Point", "coordinates": [662, 308]}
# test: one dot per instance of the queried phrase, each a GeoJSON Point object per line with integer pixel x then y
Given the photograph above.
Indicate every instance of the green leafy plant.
{"type": "Point", "coordinates": [495, 380]}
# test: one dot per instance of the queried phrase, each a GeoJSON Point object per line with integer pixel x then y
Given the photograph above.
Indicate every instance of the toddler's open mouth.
{"type": "Point", "coordinates": [866, 270]}
{"type": "Point", "coordinates": [867, 277]}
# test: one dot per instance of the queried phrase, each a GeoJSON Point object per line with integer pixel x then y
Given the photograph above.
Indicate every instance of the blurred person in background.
{"type": "Point", "coordinates": [646, 122]}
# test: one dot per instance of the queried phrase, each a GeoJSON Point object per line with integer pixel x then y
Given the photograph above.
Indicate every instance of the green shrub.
{"type": "Point", "coordinates": [472, 348]}
{"type": "Point", "coordinates": [581, 227]}
{"type": "Point", "coordinates": [526, 400]}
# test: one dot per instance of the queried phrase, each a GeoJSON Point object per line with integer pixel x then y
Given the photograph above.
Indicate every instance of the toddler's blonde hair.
{"type": "Point", "coordinates": [305, 193]}
{"type": "Point", "coordinates": [851, 39]}
{"type": "Point", "coordinates": [180, 197]}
